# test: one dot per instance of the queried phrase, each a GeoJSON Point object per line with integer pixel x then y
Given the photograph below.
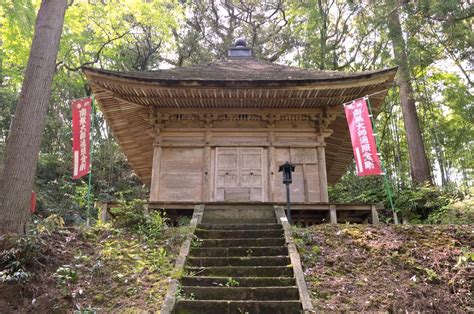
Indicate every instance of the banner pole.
{"type": "Point", "coordinates": [387, 185]}
{"type": "Point", "coordinates": [89, 187]}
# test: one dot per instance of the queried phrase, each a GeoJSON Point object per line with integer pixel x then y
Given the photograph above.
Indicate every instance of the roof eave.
{"type": "Point", "coordinates": [290, 82]}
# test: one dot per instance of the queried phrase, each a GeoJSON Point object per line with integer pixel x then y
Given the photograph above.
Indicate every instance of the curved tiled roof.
{"type": "Point", "coordinates": [240, 70]}
{"type": "Point", "coordinates": [125, 99]}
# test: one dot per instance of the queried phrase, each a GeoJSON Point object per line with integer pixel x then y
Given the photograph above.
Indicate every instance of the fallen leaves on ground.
{"type": "Point", "coordinates": [388, 267]}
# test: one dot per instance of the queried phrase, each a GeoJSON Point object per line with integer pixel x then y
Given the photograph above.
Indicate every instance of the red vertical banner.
{"type": "Point", "coordinates": [81, 123]}
{"type": "Point", "coordinates": [362, 138]}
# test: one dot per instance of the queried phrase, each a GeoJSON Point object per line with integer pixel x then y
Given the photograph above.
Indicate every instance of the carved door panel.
{"type": "Point", "coordinates": [239, 174]}
{"type": "Point", "coordinates": [227, 172]}
{"type": "Point", "coordinates": [251, 177]}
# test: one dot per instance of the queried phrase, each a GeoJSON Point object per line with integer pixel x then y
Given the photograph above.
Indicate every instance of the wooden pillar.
{"type": "Point", "coordinates": [206, 179]}
{"type": "Point", "coordinates": [271, 167]}
{"type": "Point", "coordinates": [155, 174]}
{"type": "Point", "coordinates": [332, 214]}
{"type": "Point", "coordinates": [104, 215]}
{"type": "Point", "coordinates": [375, 215]}
{"type": "Point", "coordinates": [323, 179]}
{"type": "Point", "coordinates": [305, 183]}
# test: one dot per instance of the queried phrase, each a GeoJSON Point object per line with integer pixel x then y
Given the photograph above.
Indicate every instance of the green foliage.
{"type": "Point", "coordinates": [431, 275]}
{"type": "Point", "coordinates": [50, 224]}
{"type": "Point", "coordinates": [130, 256]}
{"type": "Point", "coordinates": [57, 193]}
{"type": "Point", "coordinates": [17, 18]}
{"type": "Point", "coordinates": [181, 295]}
{"type": "Point", "coordinates": [231, 282]}
{"type": "Point", "coordinates": [456, 212]}
{"type": "Point", "coordinates": [14, 262]}
{"type": "Point", "coordinates": [132, 215]}
{"type": "Point", "coordinates": [354, 189]}
{"type": "Point", "coordinates": [27, 251]}
{"type": "Point", "coordinates": [196, 242]}
{"type": "Point", "coordinates": [65, 274]}
{"type": "Point", "coordinates": [465, 258]}
{"type": "Point", "coordinates": [316, 250]}
{"type": "Point", "coordinates": [154, 225]}
{"type": "Point", "coordinates": [418, 202]}
{"type": "Point", "coordinates": [184, 221]}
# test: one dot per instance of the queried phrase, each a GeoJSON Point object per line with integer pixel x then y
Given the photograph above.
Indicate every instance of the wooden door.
{"type": "Point", "coordinates": [251, 172]}
{"type": "Point", "coordinates": [239, 174]}
{"type": "Point", "coordinates": [227, 171]}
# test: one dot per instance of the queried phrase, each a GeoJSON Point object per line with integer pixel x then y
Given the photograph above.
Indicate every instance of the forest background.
{"type": "Point", "coordinates": [343, 35]}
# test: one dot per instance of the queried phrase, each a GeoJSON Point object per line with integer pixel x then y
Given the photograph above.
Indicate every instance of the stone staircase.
{"type": "Point", "coordinates": [238, 268]}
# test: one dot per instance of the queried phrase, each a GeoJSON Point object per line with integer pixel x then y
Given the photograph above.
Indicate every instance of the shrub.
{"type": "Point", "coordinates": [154, 225]}
{"type": "Point", "coordinates": [14, 263]}
{"type": "Point", "coordinates": [417, 203]}
{"type": "Point", "coordinates": [457, 212]}
{"type": "Point", "coordinates": [129, 214]}
{"type": "Point", "coordinates": [133, 216]}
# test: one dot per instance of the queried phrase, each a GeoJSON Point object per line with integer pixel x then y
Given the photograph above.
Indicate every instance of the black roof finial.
{"type": "Point", "coordinates": [240, 50]}
{"type": "Point", "coordinates": [240, 42]}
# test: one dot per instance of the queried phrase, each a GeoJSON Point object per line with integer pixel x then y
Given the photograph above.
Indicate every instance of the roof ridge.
{"type": "Point", "coordinates": [242, 70]}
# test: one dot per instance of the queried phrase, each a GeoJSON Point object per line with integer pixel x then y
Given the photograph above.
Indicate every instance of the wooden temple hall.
{"type": "Point", "coordinates": [216, 134]}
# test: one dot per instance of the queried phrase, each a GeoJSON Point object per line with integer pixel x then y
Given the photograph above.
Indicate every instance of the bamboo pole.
{"type": "Point", "coordinates": [388, 188]}
{"type": "Point", "coordinates": [89, 187]}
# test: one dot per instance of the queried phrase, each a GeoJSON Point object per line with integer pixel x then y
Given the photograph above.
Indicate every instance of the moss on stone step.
{"type": "Point", "coordinates": [227, 307]}
{"type": "Point", "coordinates": [239, 261]}
{"type": "Point", "coordinates": [224, 234]}
{"type": "Point", "coordinates": [239, 251]}
{"type": "Point", "coordinates": [243, 281]}
{"type": "Point", "coordinates": [242, 293]}
{"type": "Point", "coordinates": [240, 226]}
{"type": "Point", "coordinates": [242, 242]}
{"type": "Point", "coordinates": [241, 271]}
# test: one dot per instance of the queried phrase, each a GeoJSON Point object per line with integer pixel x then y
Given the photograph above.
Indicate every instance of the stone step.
{"type": "Point", "coordinates": [227, 307]}
{"type": "Point", "coordinates": [225, 234]}
{"type": "Point", "coordinates": [241, 271]}
{"type": "Point", "coordinates": [271, 226]}
{"type": "Point", "coordinates": [243, 281]}
{"type": "Point", "coordinates": [239, 261]}
{"type": "Point", "coordinates": [242, 242]}
{"type": "Point", "coordinates": [238, 220]}
{"type": "Point", "coordinates": [239, 251]}
{"type": "Point", "coordinates": [240, 293]}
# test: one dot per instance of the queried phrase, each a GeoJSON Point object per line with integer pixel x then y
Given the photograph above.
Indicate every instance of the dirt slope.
{"type": "Point", "coordinates": [389, 268]}
{"type": "Point", "coordinates": [100, 269]}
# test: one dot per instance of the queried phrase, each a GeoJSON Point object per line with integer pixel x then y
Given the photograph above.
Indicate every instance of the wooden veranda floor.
{"type": "Point", "coordinates": [304, 214]}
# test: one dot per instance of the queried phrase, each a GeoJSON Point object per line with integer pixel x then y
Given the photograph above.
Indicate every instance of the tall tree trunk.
{"type": "Point", "coordinates": [323, 34]}
{"type": "Point", "coordinates": [438, 147]}
{"type": "Point", "coordinates": [420, 170]}
{"type": "Point", "coordinates": [24, 140]}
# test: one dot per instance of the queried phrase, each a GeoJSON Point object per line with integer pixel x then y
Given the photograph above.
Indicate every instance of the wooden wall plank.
{"type": "Point", "coordinates": [181, 174]}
